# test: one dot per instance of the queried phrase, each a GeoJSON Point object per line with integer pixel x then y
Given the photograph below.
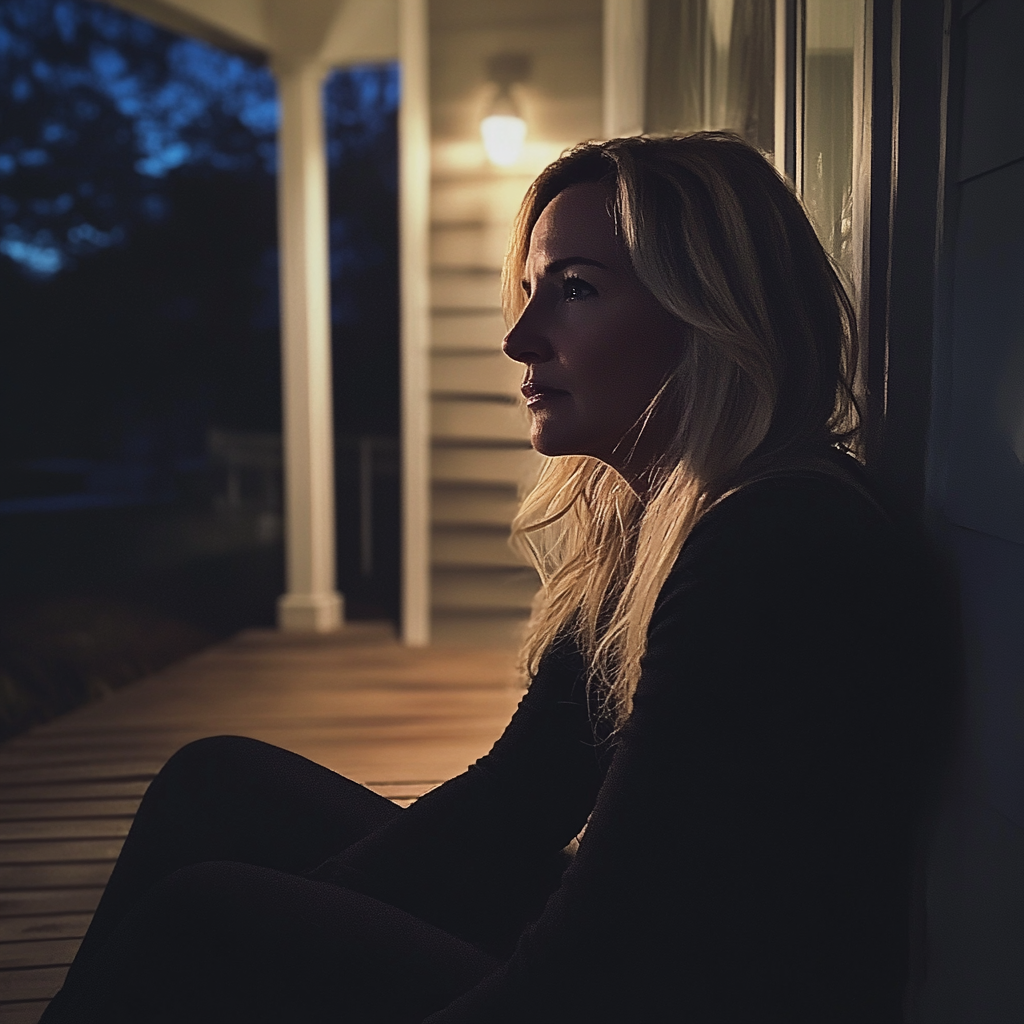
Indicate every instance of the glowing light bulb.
{"type": "Point", "coordinates": [503, 135]}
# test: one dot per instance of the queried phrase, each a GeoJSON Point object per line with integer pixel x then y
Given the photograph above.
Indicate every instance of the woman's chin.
{"type": "Point", "coordinates": [562, 435]}
{"type": "Point", "coordinates": [553, 449]}
{"type": "Point", "coordinates": [547, 442]}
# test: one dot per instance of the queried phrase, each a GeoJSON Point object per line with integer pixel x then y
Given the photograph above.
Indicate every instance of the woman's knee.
{"type": "Point", "coordinates": [215, 759]}
{"type": "Point", "coordinates": [215, 752]}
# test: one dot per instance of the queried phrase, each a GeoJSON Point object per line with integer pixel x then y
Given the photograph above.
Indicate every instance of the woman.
{"type": "Point", "coordinates": [729, 659]}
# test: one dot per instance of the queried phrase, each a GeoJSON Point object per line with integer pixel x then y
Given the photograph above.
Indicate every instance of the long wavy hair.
{"type": "Point", "coordinates": [763, 384]}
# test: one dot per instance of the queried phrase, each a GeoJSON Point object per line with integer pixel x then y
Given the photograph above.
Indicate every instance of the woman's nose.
{"type": "Point", "coordinates": [524, 343]}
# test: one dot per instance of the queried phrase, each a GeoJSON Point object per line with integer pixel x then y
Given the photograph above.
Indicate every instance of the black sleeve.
{"type": "Point", "coordinates": [479, 855]}
{"type": "Point", "coordinates": [745, 860]}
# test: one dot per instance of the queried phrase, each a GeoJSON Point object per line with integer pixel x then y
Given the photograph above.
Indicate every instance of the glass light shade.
{"type": "Point", "coordinates": [503, 135]}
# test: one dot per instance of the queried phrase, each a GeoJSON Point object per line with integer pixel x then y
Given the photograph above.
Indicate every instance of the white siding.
{"type": "Point", "coordinates": [481, 459]}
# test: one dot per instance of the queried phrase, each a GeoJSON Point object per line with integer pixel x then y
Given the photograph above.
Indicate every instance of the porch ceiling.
{"type": "Point", "coordinates": [333, 32]}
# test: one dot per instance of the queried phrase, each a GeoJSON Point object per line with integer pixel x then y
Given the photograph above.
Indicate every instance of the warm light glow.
{"type": "Point", "coordinates": [503, 136]}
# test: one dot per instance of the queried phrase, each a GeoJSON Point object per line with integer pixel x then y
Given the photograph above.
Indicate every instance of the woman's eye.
{"type": "Point", "coordinates": [575, 288]}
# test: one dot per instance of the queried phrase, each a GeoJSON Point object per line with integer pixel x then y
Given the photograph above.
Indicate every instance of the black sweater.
{"type": "Point", "coordinates": [750, 837]}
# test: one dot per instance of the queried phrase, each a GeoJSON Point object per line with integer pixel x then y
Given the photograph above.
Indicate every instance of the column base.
{"type": "Point", "coordinates": [310, 613]}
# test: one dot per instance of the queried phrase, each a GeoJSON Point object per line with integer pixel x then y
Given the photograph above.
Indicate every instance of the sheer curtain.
{"type": "Point", "coordinates": [826, 174]}
{"type": "Point", "coordinates": [711, 65]}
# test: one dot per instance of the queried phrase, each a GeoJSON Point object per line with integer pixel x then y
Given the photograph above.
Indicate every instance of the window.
{"type": "Point", "coordinates": [787, 76]}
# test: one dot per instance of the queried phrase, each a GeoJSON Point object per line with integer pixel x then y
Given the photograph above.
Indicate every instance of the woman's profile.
{"type": "Point", "coordinates": [727, 661]}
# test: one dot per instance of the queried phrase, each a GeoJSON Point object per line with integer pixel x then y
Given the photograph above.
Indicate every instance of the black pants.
{"type": "Point", "coordinates": [207, 916]}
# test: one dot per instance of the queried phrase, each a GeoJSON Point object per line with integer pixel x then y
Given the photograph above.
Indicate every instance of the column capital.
{"type": "Point", "coordinates": [288, 65]}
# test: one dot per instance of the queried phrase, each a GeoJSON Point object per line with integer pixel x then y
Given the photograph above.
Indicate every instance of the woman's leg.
{"type": "Point", "coordinates": [224, 943]}
{"type": "Point", "coordinates": [228, 798]}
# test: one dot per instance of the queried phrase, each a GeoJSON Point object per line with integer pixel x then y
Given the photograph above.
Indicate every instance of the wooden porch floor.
{"type": "Point", "coordinates": [399, 720]}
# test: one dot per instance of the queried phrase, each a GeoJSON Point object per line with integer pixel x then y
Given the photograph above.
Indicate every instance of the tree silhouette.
{"type": "Point", "coordinates": [138, 255]}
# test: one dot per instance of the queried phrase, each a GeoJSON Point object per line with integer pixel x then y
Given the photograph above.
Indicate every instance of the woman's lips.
{"type": "Point", "coordinates": [534, 392]}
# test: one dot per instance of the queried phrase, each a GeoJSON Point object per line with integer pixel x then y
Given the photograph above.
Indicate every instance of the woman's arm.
{"type": "Point", "coordinates": [479, 855]}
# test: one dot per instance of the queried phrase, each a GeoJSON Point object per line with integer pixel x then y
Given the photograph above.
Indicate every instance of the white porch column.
{"type": "Point", "coordinates": [414, 226]}
{"type": "Point", "coordinates": [312, 601]}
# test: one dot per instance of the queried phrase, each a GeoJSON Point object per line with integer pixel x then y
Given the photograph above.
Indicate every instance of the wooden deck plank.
{"type": "Point", "coordinates": [74, 875]}
{"type": "Point", "coordinates": [99, 771]}
{"type": "Point", "coordinates": [66, 828]}
{"type": "Point", "coordinates": [50, 851]}
{"type": "Point", "coordinates": [104, 762]}
{"type": "Point", "coordinates": [341, 700]}
{"type": "Point", "coordinates": [43, 902]}
{"type": "Point", "coordinates": [31, 983]}
{"type": "Point", "coordinates": [38, 953]}
{"type": "Point", "coordinates": [396, 719]}
{"type": "Point", "coordinates": [21, 813]}
{"type": "Point", "coordinates": [82, 789]}
{"type": "Point", "coordinates": [40, 926]}
{"type": "Point", "coordinates": [301, 708]}
{"type": "Point", "coordinates": [22, 1013]}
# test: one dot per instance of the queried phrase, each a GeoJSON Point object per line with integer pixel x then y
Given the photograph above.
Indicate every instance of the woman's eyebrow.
{"type": "Point", "coordinates": [572, 261]}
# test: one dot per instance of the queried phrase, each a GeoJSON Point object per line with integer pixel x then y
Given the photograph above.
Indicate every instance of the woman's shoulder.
{"type": "Point", "coordinates": [806, 551]}
{"type": "Point", "coordinates": [834, 506]}
{"type": "Point", "coordinates": [804, 542]}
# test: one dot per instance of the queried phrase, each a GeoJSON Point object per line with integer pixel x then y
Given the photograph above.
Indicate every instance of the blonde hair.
{"type": "Point", "coordinates": [763, 384]}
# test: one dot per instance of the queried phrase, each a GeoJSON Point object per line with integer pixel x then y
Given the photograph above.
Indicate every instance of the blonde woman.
{"type": "Point", "coordinates": [731, 660]}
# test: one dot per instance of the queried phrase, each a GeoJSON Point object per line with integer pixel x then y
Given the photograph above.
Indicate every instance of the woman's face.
{"type": "Point", "coordinates": [595, 343]}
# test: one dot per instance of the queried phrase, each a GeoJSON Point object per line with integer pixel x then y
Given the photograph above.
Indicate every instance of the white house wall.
{"type": "Point", "coordinates": [481, 459]}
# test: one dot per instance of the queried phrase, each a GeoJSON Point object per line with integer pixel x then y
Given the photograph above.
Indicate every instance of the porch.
{"type": "Point", "coordinates": [398, 719]}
